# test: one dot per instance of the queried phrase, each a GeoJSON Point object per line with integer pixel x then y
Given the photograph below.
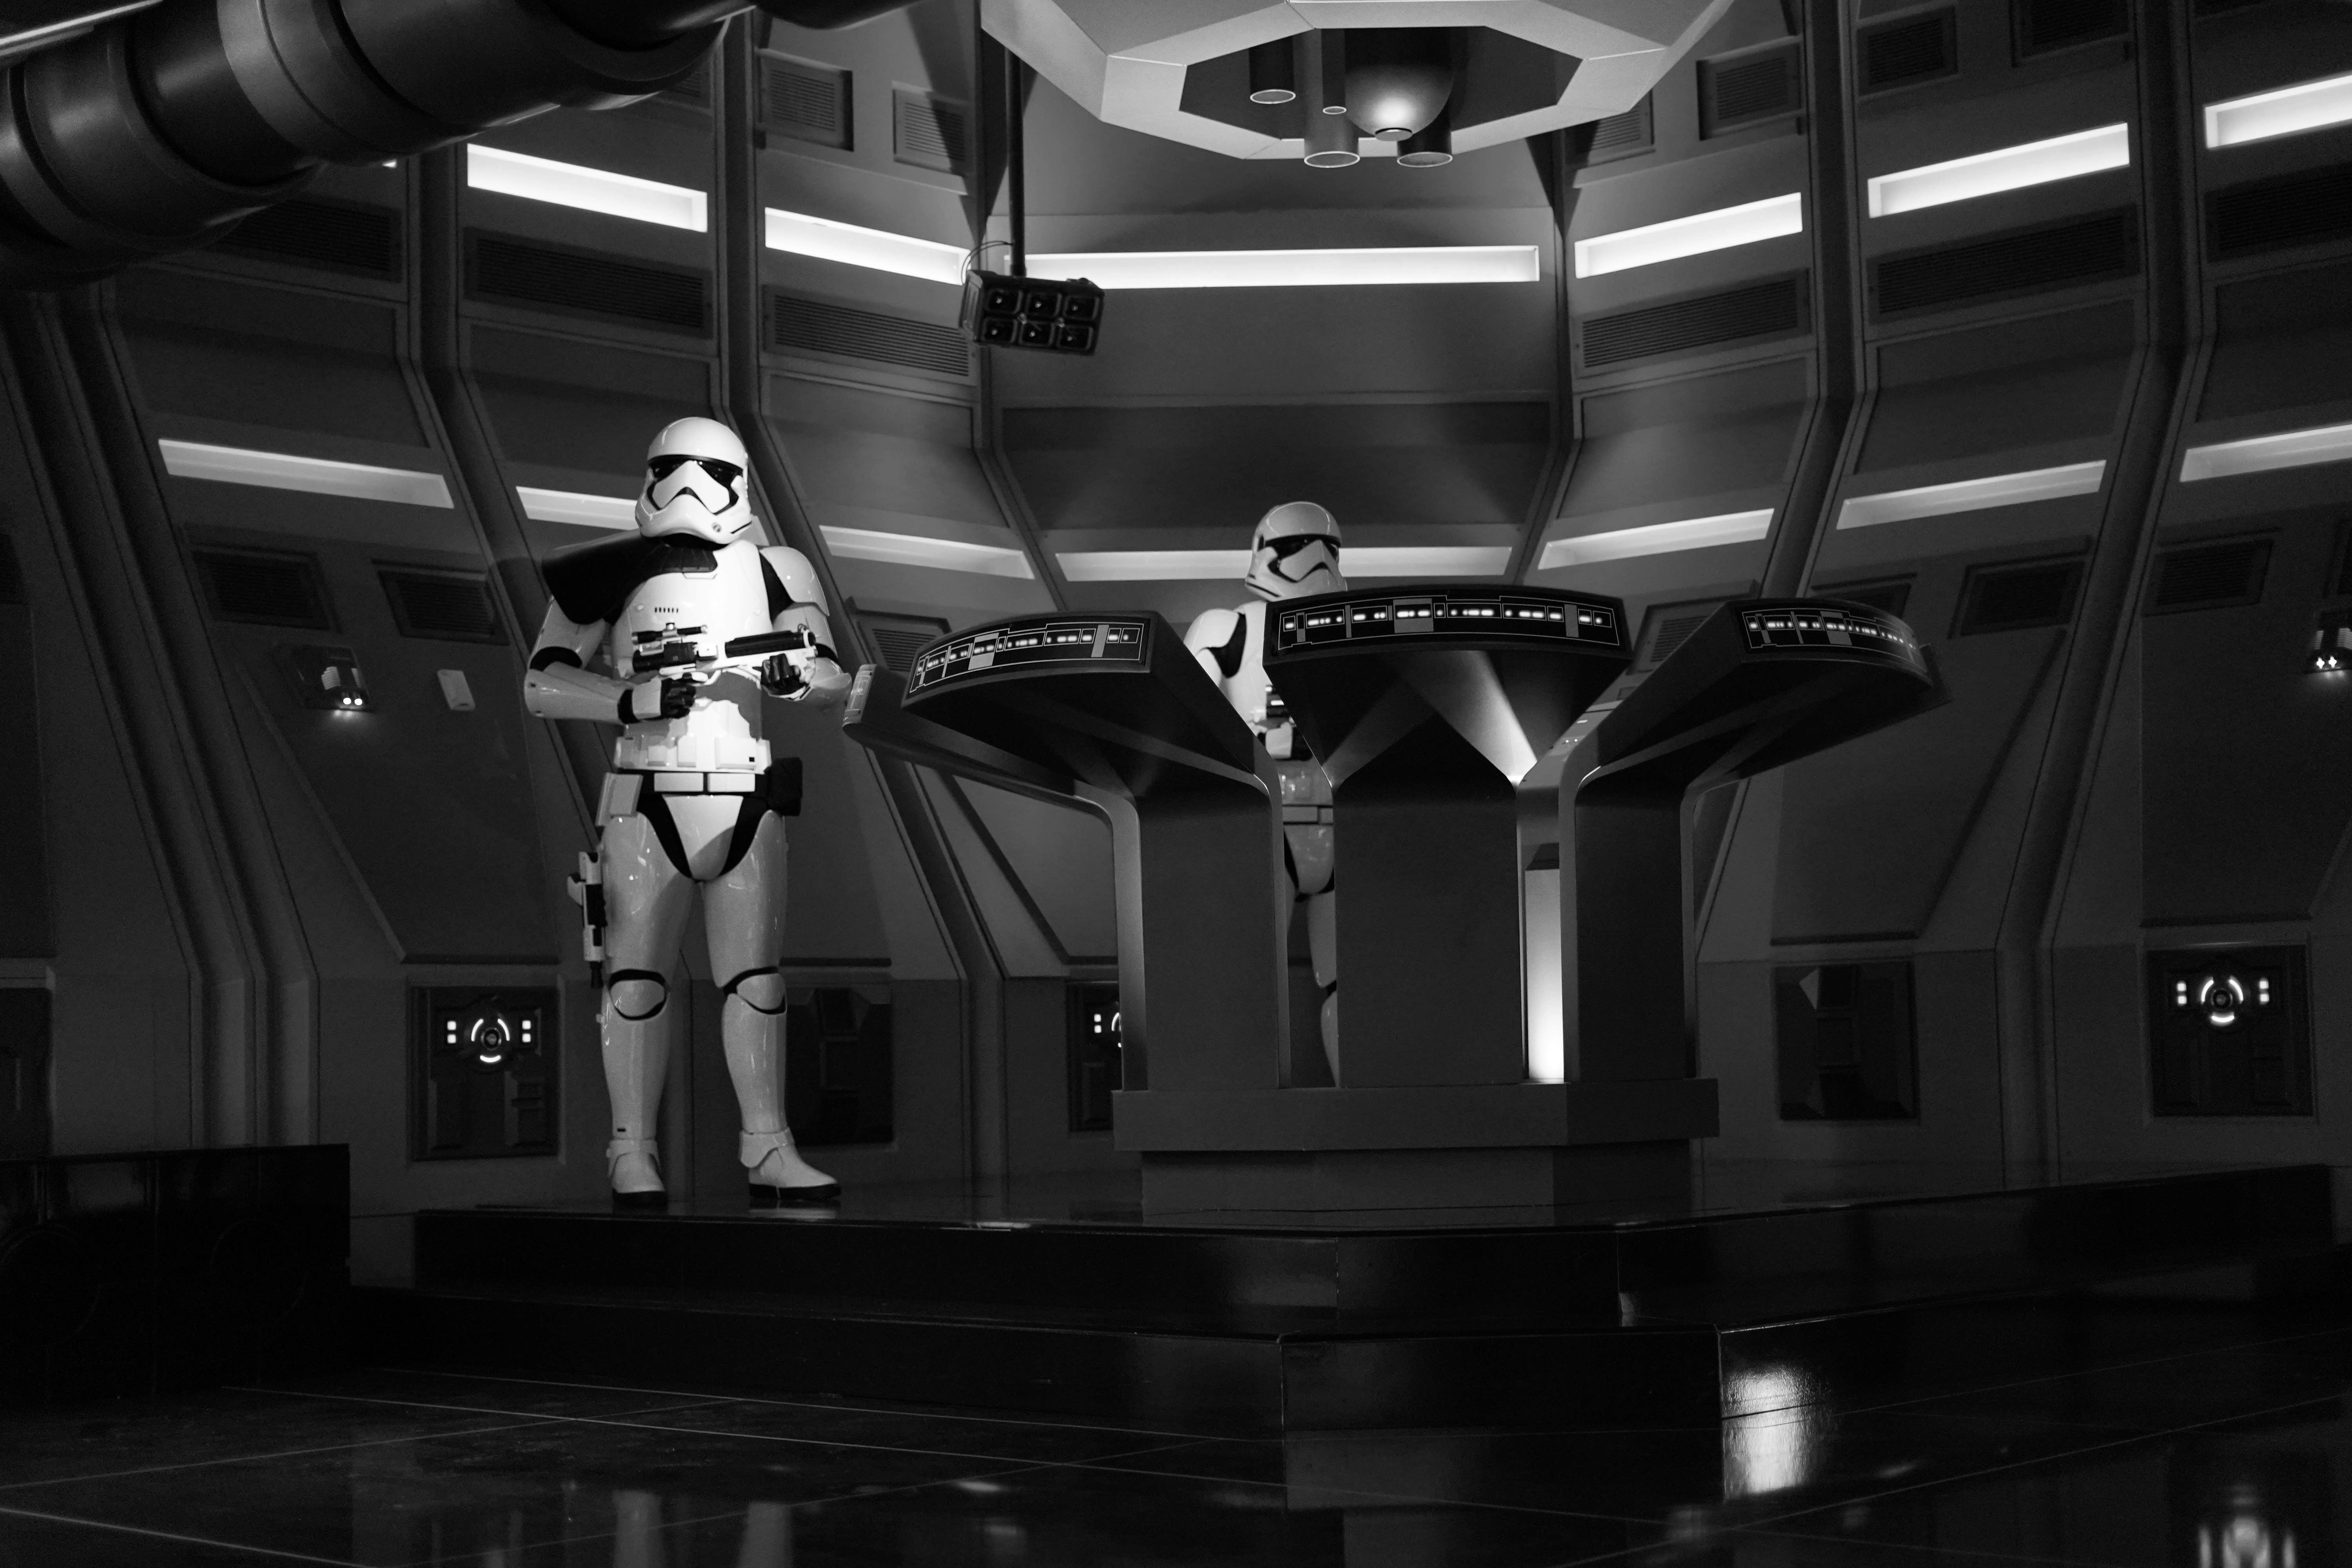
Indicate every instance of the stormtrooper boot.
{"type": "Point", "coordinates": [633, 1166]}
{"type": "Point", "coordinates": [778, 1174]}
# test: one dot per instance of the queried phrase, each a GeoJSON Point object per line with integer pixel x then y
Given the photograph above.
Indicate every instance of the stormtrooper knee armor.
{"type": "Point", "coordinates": [694, 622]}
{"type": "Point", "coordinates": [1294, 552]}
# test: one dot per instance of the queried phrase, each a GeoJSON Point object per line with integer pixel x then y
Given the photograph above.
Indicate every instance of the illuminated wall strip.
{"type": "Point", "coordinates": [916, 550]}
{"type": "Point", "coordinates": [1657, 539]}
{"type": "Point", "coordinates": [15, 40]}
{"type": "Point", "coordinates": [2282, 112]}
{"type": "Point", "coordinates": [1425, 560]}
{"type": "Point", "coordinates": [803, 234]}
{"type": "Point", "coordinates": [1294, 269]}
{"type": "Point", "coordinates": [590, 190]}
{"type": "Point", "coordinates": [1152, 565]}
{"type": "Point", "coordinates": [314, 476]}
{"type": "Point", "coordinates": [572, 507]}
{"type": "Point", "coordinates": [1972, 495]}
{"type": "Point", "coordinates": [2287, 449]}
{"type": "Point", "coordinates": [2004, 169]}
{"type": "Point", "coordinates": [1693, 236]}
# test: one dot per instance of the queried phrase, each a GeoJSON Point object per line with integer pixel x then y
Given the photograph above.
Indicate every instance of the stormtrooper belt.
{"type": "Point", "coordinates": [778, 790]}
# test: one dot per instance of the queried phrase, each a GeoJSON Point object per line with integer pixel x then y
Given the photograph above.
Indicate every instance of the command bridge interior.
{"type": "Point", "coordinates": [1394, 720]}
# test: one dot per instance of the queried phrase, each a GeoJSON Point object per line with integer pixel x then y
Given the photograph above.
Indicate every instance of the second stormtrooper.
{"type": "Point", "coordinates": [1294, 552]}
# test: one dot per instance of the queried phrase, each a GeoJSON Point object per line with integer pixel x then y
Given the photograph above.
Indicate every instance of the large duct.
{"type": "Point", "coordinates": [152, 133]}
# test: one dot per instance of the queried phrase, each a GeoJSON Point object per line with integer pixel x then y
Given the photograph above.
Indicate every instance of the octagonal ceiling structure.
{"type": "Point", "coordinates": [1177, 68]}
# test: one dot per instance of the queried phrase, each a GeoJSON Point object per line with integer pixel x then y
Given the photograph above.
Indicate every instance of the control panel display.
{"type": "Point", "coordinates": [1473, 614]}
{"type": "Point", "coordinates": [1013, 645]}
{"type": "Point", "coordinates": [1831, 626]}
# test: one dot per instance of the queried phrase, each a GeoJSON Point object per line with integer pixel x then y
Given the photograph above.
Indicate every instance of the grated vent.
{"type": "Point", "coordinates": [2272, 215]}
{"type": "Point", "coordinates": [448, 607]}
{"type": "Point", "coordinates": [1775, 308]}
{"type": "Point", "coordinates": [1620, 135]}
{"type": "Point", "coordinates": [255, 588]}
{"type": "Point", "coordinates": [2050, 256]}
{"type": "Point", "coordinates": [2015, 598]}
{"type": "Point", "coordinates": [582, 283]}
{"type": "Point", "coordinates": [928, 132]}
{"type": "Point", "coordinates": [1749, 89]}
{"type": "Point", "coordinates": [1667, 627]}
{"type": "Point", "coordinates": [342, 237]}
{"type": "Point", "coordinates": [803, 100]}
{"type": "Point", "coordinates": [1905, 53]}
{"type": "Point", "coordinates": [2060, 24]}
{"type": "Point", "coordinates": [810, 326]}
{"type": "Point", "coordinates": [693, 92]}
{"type": "Point", "coordinates": [897, 639]}
{"type": "Point", "coordinates": [2210, 576]}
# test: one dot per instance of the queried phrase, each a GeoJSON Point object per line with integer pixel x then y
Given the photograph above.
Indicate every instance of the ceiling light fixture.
{"type": "Point", "coordinates": [1656, 538]}
{"type": "Point", "coordinates": [2004, 169]}
{"type": "Point", "coordinates": [1972, 495]}
{"type": "Point", "coordinates": [1694, 236]}
{"type": "Point", "coordinates": [590, 190]}
{"type": "Point", "coordinates": [313, 476]}
{"type": "Point", "coordinates": [1273, 72]}
{"type": "Point", "coordinates": [1431, 147]}
{"type": "Point", "coordinates": [1398, 79]}
{"type": "Point", "coordinates": [921, 550]}
{"type": "Point", "coordinates": [580, 510]}
{"type": "Point", "coordinates": [2282, 112]}
{"type": "Point", "coordinates": [1294, 269]}
{"type": "Point", "coordinates": [2260, 453]}
{"type": "Point", "coordinates": [822, 237]}
{"type": "Point", "coordinates": [1331, 140]}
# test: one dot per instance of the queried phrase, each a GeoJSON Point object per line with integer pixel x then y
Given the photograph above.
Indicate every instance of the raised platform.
{"type": "Point", "coordinates": [1767, 1285]}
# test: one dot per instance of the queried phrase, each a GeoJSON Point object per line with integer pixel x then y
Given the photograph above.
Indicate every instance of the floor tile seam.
{"type": "Point", "coordinates": [2037, 1559]}
{"type": "Point", "coordinates": [2102, 1369]}
{"type": "Point", "coordinates": [1106, 1463]}
{"type": "Point", "coordinates": [279, 1454]}
{"type": "Point", "coordinates": [467, 1409]}
{"type": "Point", "coordinates": [272, 1552]}
{"type": "Point", "coordinates": [805, 1442]}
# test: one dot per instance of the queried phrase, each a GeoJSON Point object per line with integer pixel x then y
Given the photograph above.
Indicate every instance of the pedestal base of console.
{"type": "Point", "coordinates": [1332, 1180]}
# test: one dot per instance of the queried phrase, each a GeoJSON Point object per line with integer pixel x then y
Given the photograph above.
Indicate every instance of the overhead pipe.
{"type": "Point", "coordinates": [154, 132]}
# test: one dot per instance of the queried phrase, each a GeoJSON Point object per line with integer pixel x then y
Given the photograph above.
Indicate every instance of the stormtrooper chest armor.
{"type": "Point", "coordinates": [706, 596]}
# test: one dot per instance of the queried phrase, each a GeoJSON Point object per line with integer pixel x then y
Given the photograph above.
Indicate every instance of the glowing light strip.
{"type": "Point", "coordinates": [2004, 169]}
{"type": "Point", "coordinates": [803, 234]}
{"type": "Point", "coordinates": [315, 476]}
{"type": "Point", "coordinates": [572, 507]}
{"type": "Point", "coordinates": [1152, 565]}
{"type": "Point", "coordinates": [1425, 560]}
{"type": "Point", "coordinates": [2287, 449]}
{"type": "Point", "coordinates": [2282, 112]}
{"type": "Point", "coordinates": [916, 550]}
{"type": "Point", "coordinates": [1693, 236]}
{"type": "Point", "coordinates": [58, 31]}
{"type": "Point", "coordinates": [1972, 495]}
{"type": "Point", "coordinates": [1657, 539]}
{"type": "Point", "coordinates": [1294, 269]}
{"type": "Point", "coordinates": [590, 190]}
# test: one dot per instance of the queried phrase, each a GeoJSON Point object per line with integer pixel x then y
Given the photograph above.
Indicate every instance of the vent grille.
{"type": "Point", "coordinates": [1889, 597]}
{"type": "Point", "coordinates": [810, 326]}
{"type": "Point", "coordinates": [1620, 135]}
{"type": "Point", "coordinates": [694, 91]}
{"type": "Point", "coordinates": [805, 100]}
{"type": "Point", "coordinates": [12, 572]}
{"type": "Point", "coordinates": [257, 589]}
{"type": "Point", "coordinates": [582, 283]}
{"type": "Point", "coordinates": [1775, 308]}
{"type": "Point", "coordinates": [2272, 215]}
{"type": "Point", "coordinates": [2062, 24]}
{"type": "Point", "coordinates": [447, 607]}
{"type": "Point", "coordinates": [1667, 627]}
{"type": "Point", "coordinates": [2053, 256]}
{"type": "Point", "coordinates": [897, 639]}
{"type": "Point", "coordinates": [2210, 576]}
{"type": "Point", "coordinates": [927, 131]}
{"type": "Point", "coordinates": [1748, 88]}
{"type": "Point", "coordinates": [1905, 53]}
{"type": "Point", "coordinates": [2014, 598]}
{"type": "Point", "coordinates": [342, 237]}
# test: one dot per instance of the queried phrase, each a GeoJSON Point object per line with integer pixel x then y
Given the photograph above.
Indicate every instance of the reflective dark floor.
{"type": "Point", "coordinates": [2237, 1457]}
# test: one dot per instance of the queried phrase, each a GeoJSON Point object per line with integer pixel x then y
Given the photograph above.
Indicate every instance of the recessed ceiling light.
{"type": "Point", "coordinates": [1656, 538]}
{"type": "Point", "coordinates": [1972, 495]}
{"type": "Point", "coordinates": [919, 550]}
{"type": "Point", "coordinates": [1294, 269]}
{"type": "Point", "coordinates": [828, 240]}
{"type": "Point", "coordinates": [572, 507]}
{"type": "Point", "coordinates": [1693, 236]}
{"type": "Point", "coordinates": [2259, 453]}
{"type": "Point", "coordinates": [2282, 112]}
{"type": "Point", "coordinates": [2004, 169]}
{"type": "Point", "coordinates": [590, 190]}
{"type": "Point", "coordinates": [314, 476]}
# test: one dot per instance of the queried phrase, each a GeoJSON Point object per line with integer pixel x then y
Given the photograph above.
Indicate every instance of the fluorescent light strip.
{"type": "Point", "coordinates": [591, 190]}
{"type": "Point", "coordinates": [803, 234]}
{"type": "Point", "coordinates": [58, 31]}
{"type": "Point", "coordinates": [1425, 560]}
{"type": "Point", "coordinates": [1972, 495]}
{"type": "Point", "coordinates": [2004, 169]}
{"type": "Point", "coordinates": [2282, 112]}
{"type": "Point", "coordinates": [2287, 449]}
{"type": "Point", "coordinates": [1294, 269]}
{"type": "Point", "coordinates": [572, 507]}
{"type": "Point", "coordinates": [916, 550]}
{"type": "Point", "coordinates": [1657, 539]}
{"type": "Point", "coordinates": [315, 476]}
{"type": "Point", "coordinates": [1693, 236]}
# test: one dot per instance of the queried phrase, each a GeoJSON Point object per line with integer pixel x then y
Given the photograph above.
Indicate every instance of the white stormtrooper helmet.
{"type": "Point", "coordinates": [695, 483]}
{"type": "Point", "coordinates": [1295, 552]}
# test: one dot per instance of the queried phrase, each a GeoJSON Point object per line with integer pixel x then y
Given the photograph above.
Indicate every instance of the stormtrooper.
{"type": "Point", "coordinates": [1294, 552]}
{"type": "Point", "coordinates": [694, 621]}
